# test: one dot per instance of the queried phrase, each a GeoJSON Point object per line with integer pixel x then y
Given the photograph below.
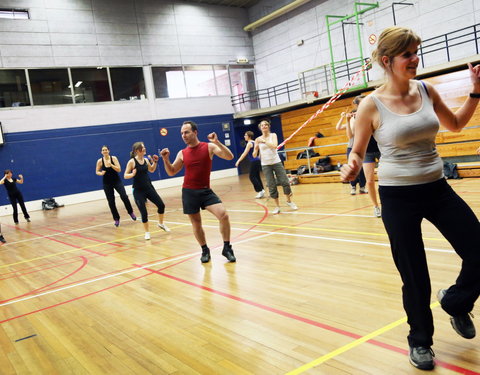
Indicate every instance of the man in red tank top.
{"type": "Point", "coordinates": [196, 192]}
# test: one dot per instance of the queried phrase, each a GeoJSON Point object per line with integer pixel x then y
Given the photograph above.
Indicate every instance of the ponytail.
{"type": "Point", "coordinates": [136, 146]}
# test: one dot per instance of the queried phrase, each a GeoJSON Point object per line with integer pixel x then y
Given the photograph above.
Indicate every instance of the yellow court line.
{"type": "Point", "coordinates": [82, 248]}
{"type": "Point", "coordinates": [352, 345]}
{"type": "Point", "coordinates": [320, 229]}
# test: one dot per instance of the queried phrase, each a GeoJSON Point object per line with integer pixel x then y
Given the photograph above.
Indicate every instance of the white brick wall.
{"type": "Point", "coordinates": [279, 59]}
{"type": "Point", "coordinates": [118, 32]}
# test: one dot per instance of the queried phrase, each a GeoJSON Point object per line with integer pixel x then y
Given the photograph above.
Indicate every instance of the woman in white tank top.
{"type": "Point", "coordinates": [272, 167]}
{"type": "Point", "coordinates": [404, 117]}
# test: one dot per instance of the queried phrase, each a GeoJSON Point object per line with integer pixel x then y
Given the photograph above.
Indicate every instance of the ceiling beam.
{"type": "Point", "coordinates": [279, 12]}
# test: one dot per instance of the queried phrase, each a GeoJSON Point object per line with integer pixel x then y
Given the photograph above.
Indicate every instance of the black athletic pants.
{"type": "Point", "coordinates": [14, 198]}
{"type": "Point", "coordinates": [109, 190]}
{"type": "Point", "coordinates": [255, 168]}
{"type": "Point", "coordinates": [403, 209]}
{"type": "Point", "coordinates": [141, 197]}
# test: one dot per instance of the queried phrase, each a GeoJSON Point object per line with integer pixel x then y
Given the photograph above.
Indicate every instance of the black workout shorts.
{"type": "Point", "coordinates": [194, 199]}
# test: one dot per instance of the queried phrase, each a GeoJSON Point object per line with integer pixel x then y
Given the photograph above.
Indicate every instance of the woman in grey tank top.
{"type": "Point", "coordinates": [404, 117]}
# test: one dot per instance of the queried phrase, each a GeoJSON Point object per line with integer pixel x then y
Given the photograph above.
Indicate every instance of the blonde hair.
{"type": "Point", "coordinates": [392, 42]}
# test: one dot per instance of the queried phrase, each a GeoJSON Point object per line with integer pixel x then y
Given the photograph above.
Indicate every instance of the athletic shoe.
{"type": "Point", "coordinates": [377, 212]}
{"type": "Point", "coordinates": [363, 190]}
{"type": "Point", "coordinates": [2, 240]}
{"type": "Point", "coordinates": [353, 191]}
{"type": "Point", "coordinates": [276, 211]}
{"type": "Point", "coordinates": [16, 222]}
{"type": "Point", "coordinates": [462, 324]}
{"type": "Point", "coordinates": [147, 235]}
{"type": "Point", "coordinates": [260, 194]}
{"type": "Point", "coordinates": [292, 205]}
{"type": "Point", "coordinates": [28, 219]}
{"type": "Point", "coordinates": [116, 223]}
{"type": "Point", "coordinates": [227, 252]}
{"type": "Point", "coordinates": [164, 227]}
{"type": "Point", "coordinates": [205, 258]}
{"type": "Point", "coordinates": [132, 215]}
{"type": "Point", "coordinates": [422, 357]}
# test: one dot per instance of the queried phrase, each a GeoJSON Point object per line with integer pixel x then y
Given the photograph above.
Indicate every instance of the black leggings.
{"type": "Point", "coordinates": [141, 197]}
{"type": "Point", "coordinates": [110, 194]}
{"type": "Point", "coordinates": [14, 198]}
{"type": "Point", "coordinates": [361, 180]}
{"type": "Point", "coordinates": [403, 209]}
{"type": "Point", "coordinates": [255, 168]}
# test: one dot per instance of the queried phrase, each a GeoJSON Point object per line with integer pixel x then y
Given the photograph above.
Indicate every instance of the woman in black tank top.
{"type": "Point", "coordinates": [108, 167]}
{"type": "Point", "coordinates": [137, 168]}
{"type": "Point", "coordinates": [14, 194]}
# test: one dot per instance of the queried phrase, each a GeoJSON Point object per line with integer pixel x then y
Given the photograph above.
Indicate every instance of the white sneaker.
{"type": "Point", "coordinates": [276, 211]}
{"type": "Point", "coordinates": [260, 194]}
{"type": "Point", "coordinates": [147, 235]}
{"type": "Point", "coordinates": [353, 191]}
{"type": "Point", "coordinates": [292, 205]}
{"type": "Point", "coordinates": [377, 212]}
{"type": "Point", "coordinates": [363, 190]}
{"type": "Point", "coordinates": [164, 227]}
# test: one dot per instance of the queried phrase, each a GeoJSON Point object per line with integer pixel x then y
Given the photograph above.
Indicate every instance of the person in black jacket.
{"type": "Point", "coordinates": [14, 194]}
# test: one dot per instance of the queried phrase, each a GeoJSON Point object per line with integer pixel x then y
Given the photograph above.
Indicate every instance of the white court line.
{"type": "Point", "coordinates": [93, 280]}
{"type": "Point", "coordinates": [304, 213]}
{"type": "Point", "coordinates": [266, 234]}
{"type": "Point", "coordinates": [120, 273]}
{"type": "Point", "coordinates": [66, 232]}
{"type": "Point", "coordinates": [54, 235]}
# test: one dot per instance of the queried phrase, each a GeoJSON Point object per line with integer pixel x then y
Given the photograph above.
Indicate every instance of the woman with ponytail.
{"type": "Point", "coordinates": [137, 168]}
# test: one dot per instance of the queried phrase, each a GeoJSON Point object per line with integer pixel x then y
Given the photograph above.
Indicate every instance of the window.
{"type": "Point", "coordinates": [90, 85]}
{"type": "Point", "coordinates": [14, 14]}
{"type": "Point", "coordinates": [50, 86]}
{"type": "Point", "coordinates": [200, 80]}
{"type": "Point", "coordinates": [169, 82]}
{"type": "Point", "coordinates": [222, 80]}
{"type": "Point", "coordinates": [127, 83]}
{"type": "Point", "coordinates": [13, 88]}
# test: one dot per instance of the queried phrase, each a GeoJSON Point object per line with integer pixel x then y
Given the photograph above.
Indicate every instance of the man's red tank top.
{"type": "Point", "coordinates": [198, 166]}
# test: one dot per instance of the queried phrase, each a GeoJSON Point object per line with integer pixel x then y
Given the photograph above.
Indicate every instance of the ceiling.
{"type": "Point", "coordinates": [230, 3]}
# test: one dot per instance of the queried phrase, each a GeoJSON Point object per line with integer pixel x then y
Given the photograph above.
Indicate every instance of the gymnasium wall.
{"type": "Point", "coordinates": [279, 59]}
{"type": "Point", "coordinates": [64, 33]}
{"type": "Point", "coordinates": [55, 147]}
{"type": "Point", "coordinates": [61, 162]}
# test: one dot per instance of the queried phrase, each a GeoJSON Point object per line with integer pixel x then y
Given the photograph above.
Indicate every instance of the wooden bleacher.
{"type": "Point", "coordinates": [453, 87]}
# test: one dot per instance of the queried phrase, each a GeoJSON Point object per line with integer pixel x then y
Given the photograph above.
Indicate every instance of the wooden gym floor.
{"type": "Point", "coordinates": [313, 291]}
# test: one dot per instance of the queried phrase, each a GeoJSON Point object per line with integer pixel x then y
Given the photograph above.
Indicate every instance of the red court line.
{"type": "Point", "coordinates": [85, 295]}
{"type": "Point", "coordinates": [82, 236]}
{"type": "Point", "coordinates": [264, 307]}
{"type": "Point", "coordinates": [265, 215]}
{"type": "Point", "coordinates": [84, 263]}
{"type": "Point", "coordinates": [44, 289]}
{"type": "Point", "coordinates": [449, 366]}
{"type": "Point", "coordinates": [137, 266]}
{"type": "Point", "coordinates": [32, 269]}
{"type": "Point", "coordinates": [62, 242]}
{"type": "Point", "coordinates": [71, 300]}
{"type": "Point", "coordinates": [267, 308]}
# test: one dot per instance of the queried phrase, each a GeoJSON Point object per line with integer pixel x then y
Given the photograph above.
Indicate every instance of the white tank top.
{"type": "Point", "coordinates": [407, 144]}
{"type": "Point", "coordinates": [268, 156]}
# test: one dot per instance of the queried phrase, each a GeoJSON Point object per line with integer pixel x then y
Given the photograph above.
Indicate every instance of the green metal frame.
{"type": "Point", "coordinates": [360, 8]}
